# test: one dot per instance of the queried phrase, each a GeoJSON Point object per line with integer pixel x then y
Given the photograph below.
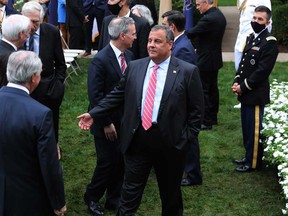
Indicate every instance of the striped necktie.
{"type": "Point", "coordinates": [31, 43]}
{"type": "Point", "coordinates": [123, 62]}
{"type": "Point", "coordinates": [149, 100]}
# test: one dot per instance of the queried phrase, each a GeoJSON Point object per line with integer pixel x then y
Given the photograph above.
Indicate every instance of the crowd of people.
{"type": "Point", "coordinates": [151, 88]}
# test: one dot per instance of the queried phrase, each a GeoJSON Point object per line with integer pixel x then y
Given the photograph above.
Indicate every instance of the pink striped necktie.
{"type": "Point", "coordinates": [149, 100]}
{"type": "Point", "coordinates": [123, 62]}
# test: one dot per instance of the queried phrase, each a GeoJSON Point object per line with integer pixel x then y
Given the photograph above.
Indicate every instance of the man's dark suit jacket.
{"type": "Point", "coordinates": [54, 67]}
{"type": "Point", "coordinates": [180, 110]}
{"type": "Point", "coordinates": [5, 51]}
{"type": "Point", "coordinates": [209, 31]}
{"type": "Point", "coordinates": [255, 68]}
{"type": "Point", "coordinates": [9, 11]}
{"type": "Point", "coordinates": [30, 173]}
{"type": "Point", "coordinates": [139, 47]}
{"type": "Point", "coordinates": [104, 74]}
{"type": "Point", "coordinates": [74, 13]}
{"type": "Point", "coordinates": [183, 49]}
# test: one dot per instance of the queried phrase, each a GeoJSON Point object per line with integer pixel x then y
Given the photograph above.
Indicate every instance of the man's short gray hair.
{"type": "Point", "coordinates": [208, 1]}
{"type": "Point", "coordinates": [168, 32]}
{"type": "Point", "coordinates": [119, 25]}
{"type": "Point", "coordinates": [22, 65]}
{"type": "Point", "coordinates": [32, 7]}
{"type": "Point", "coordinates": [144, 12]}
{"type": "Point", "coordinates": [13, 25]}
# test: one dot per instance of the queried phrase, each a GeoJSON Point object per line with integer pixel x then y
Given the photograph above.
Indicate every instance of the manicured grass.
{"type": "Point", "coordinates": [224, 192]}
{"type": "Point", "coordinates": [227, 2]}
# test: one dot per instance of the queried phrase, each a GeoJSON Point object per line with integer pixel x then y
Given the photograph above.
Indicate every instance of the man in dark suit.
{"type": "Point", "coordinates": [16, 30]}
{"type": "Point", "coordinates": [31, 181]}
{"type": "Point", "coordinates": [183, 49]}
{"type": "Point", "coordinates": [104, 73]}
{"type": "Point", "coordinates": [75, 19]}
{"type": "Point", "coordinates": [47, 44]}
{"type": "Point", "coordinates": [251, 85]}
{"type": "Point", "coordinates": [209, 31]}
{"type": "Point", "coordinates": [121, 8]}
{"type": "Point", "coordinates": [5, 11]}
{"type": "Point", "coordinates": [95, 9]}
{"type": "Point", "coordinates": [163, 103]}
{"type": "Point", "coordinates": [149, 4]}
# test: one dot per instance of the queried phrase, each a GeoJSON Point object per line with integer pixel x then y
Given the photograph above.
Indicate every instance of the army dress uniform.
{"type": "Point", "coordinates": [258, 59]}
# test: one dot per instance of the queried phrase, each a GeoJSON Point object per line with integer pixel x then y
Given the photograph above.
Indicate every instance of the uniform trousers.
{"type": "Point", "coordinates": [148, 151]}
{"type": "Point", "coordinates": [251, 118]}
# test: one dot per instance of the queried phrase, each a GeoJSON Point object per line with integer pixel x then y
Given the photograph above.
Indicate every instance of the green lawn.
{"type": "Point", "coordinates": [224, 192]}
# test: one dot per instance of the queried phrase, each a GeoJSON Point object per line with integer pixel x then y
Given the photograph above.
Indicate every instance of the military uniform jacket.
{"type": "Point", "coordinates": [258, 59]}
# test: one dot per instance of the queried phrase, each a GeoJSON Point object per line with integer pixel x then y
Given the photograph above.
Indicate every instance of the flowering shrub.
{"type": "Point", "coordinates": [275, 131]}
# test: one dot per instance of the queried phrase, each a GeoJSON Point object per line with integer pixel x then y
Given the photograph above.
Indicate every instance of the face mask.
{"type": "Point", "coordinates": [257, 28]}
{"type": "Point", "coordinates": [115, 8]}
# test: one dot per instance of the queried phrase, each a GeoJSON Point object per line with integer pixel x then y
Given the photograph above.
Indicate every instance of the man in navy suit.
{"type": "Point", "coordinates": [120, 9]}
{"type": "Point", "coordinates": [163, 104]}
{"type": "Point", "coordinates": [183, 49]}
{"type": "Point", "coordinates": [31, 181]}
{"type": "Point", "coordinates": [47, 44]}
{"type": "Point", "coordinates": [5, 11]}
{"type": "Point", "coordinates": [104, 73]}
{"type": "Point", "coordinates": [16, 30]}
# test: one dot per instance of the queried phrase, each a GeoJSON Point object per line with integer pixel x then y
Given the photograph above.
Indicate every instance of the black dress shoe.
{"type": "Point", "coordinates": [243, 169]}
{"type": "Point", "coordinates": [206, 127]}
{"type": "Point", "coordinates": [94, 207]}
{"type": "Point", "coordinates": [240, 161]}
{"type": "Point", "coordinates": [187, 182]}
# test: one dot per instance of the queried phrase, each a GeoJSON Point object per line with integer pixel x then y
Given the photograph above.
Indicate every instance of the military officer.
{"type": "Point", "coordinates": [251, 85]}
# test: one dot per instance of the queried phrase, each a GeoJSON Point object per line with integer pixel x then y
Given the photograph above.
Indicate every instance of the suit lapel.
{"type": "Point", "coordinates": [169, 83]}
{"type": "Point", "coordinates": [140, 76]}
{"type": "Point", "coordinates": [114, 60]}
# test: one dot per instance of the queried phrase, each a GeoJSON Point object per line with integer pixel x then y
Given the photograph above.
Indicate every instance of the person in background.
{"type": "Point", "coordinates": [209, 31]}
{"type": "Point", "coordinates": [121, 8]}
{"type": "Point", "coordinates": [163, 104]}
{"type": "Point", "coordinates": [62, 22]}
{"type": "Point", "coordinates": [75, 19]}
{"type": "Point", "coordinates": [16, 30]}
{"type": "Point", "coordinates": [143, 11]}
{"type": "Point", "coordinates": [31, 181]}
{"type": "Point", "coordinates": [104, 73]}
{"type": "Point", "coordinates": [45, 40]}
{"type": "Point", "coordinates": [151, 5]}
{"type": "Point", "coordinates": [246, 8]}
{"type": "Point", "coordinates": [183, 49]}
{"type": "Point", "coordinates": [251, 86]}
{"type": "Point", "coordinates": [94, 9]}
{"type": "Point", "coordinates": [5, 11]}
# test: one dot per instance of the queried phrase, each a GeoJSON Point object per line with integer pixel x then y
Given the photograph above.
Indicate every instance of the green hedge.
{"type": "Point", "coordinates": [280, 23]}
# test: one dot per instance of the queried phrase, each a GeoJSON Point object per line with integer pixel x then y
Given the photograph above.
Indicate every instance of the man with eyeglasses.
{"type": "Point", "coordinates": [45, 40]}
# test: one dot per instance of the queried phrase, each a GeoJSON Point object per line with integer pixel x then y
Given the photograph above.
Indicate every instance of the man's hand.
{"type": "Point", "coordinates": [85, 121]}
{"type": "Point", "coordinates": [61, 212]}
{"type": "Point", "coordinates": [236, 89]}
{"type": "Point", "coordinates": [86, 19]}
{"type": "Point", "coordinates": [110, 132]}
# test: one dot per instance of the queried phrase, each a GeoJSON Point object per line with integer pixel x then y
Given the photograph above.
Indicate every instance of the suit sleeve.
{"type": "Point", "coordinates": [59, 60]}
{"type": "Point", "coordinates": [195, 104]}
{"type": "Point", "coordinates": [96, 85]}
{"type": "Point", "coordinates": [77, 9]}
{"type": "Point", "coordinates": [49, 164]}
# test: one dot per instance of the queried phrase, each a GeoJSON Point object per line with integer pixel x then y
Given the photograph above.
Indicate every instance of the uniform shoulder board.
{"type": "Point", "coordinates": [271, 38]}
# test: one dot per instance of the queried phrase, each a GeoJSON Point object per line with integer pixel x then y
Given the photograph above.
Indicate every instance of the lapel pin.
{"type": "Point", "coordinates": [174, 71]}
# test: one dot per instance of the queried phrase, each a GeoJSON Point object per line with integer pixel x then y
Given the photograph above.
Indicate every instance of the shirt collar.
{"type": "Point", "coordinates": [14, 85]}
{"type": "Point", "coordinates": [178, 36]}
{"type": "Point", "coordinates": [161, 65]}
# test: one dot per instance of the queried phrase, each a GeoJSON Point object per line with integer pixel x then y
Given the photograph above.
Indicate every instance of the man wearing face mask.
{"type": "Point", "coordinates": [251, 86]}
{"type": "Point", "coordinates": [121, 8]}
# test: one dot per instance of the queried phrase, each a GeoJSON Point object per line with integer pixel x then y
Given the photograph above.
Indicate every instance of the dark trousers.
{"type": "Point", "coordinates": [252, 117]}
{"type": "Point", "coordinates": [192, 166]}
{"type": "Point", "coordinates": [108, 174]}
{"type": "Point", "coordinates": [92, 13]}
{"type": "Point", "coordinates": [211, 96]}
{"type": "Point", "coordinates": [76, 37]}
{"type": "Point", "coordinates": [147, 151]}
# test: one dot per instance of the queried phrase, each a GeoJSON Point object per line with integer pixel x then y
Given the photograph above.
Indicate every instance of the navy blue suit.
{"type": "Point", "coordinates": [30, 173]}
{"type": "Point", "coordinates": [5, 51]}
{"type": "Point", "coordinates": [104, 73]}
{"type": "Point", "coordinates": [183, 49]}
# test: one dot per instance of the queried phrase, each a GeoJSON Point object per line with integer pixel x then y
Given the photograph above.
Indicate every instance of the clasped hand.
{"type": "Point", "coordinates": [85, 121]}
